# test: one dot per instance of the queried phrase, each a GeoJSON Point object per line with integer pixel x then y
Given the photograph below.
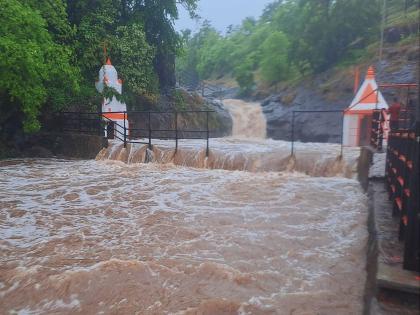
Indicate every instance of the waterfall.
{"type": "Point", "coordinates": [248, 119]}
{"type": "Point", "coordinates": [246, 150]}
{"type": "Point", "coordinates": [314, 159]}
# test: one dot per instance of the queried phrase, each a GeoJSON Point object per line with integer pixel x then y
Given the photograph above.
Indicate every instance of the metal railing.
{"type": "Point", "coordinates": [406, 121]}
{"type": "Point", "coordinates": [402, 178]}
{"type": "Point", "coordinates": [141, 125]}
{"type": "Point", "coordinates": [378, 132]}
{"type": "Point", "coordinates": [296, 113]}
{"type": "Point", "coordinates": [78, 122]}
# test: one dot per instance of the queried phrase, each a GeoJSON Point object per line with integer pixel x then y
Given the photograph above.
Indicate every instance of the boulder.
{"type": "Point", "coordinates": [309, 127]}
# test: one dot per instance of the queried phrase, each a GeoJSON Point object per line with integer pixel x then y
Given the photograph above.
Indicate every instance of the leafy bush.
{"type": "Point", "coordinates": [34, 69]}
{"type": "Point", "coordinates": [274, 62]}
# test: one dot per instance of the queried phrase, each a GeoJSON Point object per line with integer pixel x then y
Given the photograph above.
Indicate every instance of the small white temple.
{"type": "Point", "coordinates": [114, 112]}
{"type": "Point", "coordinates": [358, 116]}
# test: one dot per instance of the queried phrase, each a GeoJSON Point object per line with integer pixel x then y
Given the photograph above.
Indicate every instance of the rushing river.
{"type": "Point", "coordinates": [108, 237]}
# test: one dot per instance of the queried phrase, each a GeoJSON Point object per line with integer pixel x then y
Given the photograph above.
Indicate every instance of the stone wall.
{"type": "Point", "coordinates": [63, 145]}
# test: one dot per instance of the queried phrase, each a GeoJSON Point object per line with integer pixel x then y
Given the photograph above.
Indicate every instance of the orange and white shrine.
{"type": "Point", "coordinates": [357, 122]}
{"type": "Point", "coordinates": [114, 112]}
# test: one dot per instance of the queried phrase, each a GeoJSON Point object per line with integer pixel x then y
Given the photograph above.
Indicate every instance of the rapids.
{"type": "Point", "coordinates": [247, 230]}
{"type": "Point", "coordinates": [254, 155]}
{"type": "Point", "coordinates": [104, 237]}
{"type": "Point", "coordinates": [246, 150]}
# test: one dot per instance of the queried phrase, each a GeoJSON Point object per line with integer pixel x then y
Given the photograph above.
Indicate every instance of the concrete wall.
{"type": "Point", "coordinates": [363, 166]}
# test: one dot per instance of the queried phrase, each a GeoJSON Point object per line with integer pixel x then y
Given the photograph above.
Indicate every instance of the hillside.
{"type": "Point", "coordinates": [333, 90]}
{"type": "Point", "coordinates": [294, 40]}
{"type": "Point", "coordinates": [314, 89]}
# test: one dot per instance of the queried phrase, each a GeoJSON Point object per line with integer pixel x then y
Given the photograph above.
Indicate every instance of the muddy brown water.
{"type": "Point", "coordinates": [118, 237]}
{"type": "Point", "coordinates": [248, 119]}
{"type": "Point", "coordinates": [83, 237]}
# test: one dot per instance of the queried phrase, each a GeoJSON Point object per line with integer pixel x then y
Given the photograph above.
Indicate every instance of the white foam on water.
{"type": "Point", "coordinates": [79, 237]}
{"type": "Point", "coordinates": [255, 155]}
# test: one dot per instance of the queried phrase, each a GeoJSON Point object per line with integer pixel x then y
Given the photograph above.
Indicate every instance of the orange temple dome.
{"type": "Point", "coordinates": [370, 73]}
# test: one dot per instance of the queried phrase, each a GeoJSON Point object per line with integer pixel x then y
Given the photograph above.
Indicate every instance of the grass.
{"type": "Point", "coordinates": [409, 40]}
{"type": "Point", "coordinates": [401, 19]}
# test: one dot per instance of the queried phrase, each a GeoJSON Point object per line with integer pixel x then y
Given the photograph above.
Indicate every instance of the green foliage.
{"type": "Point", "coordinates": [110, 92]}
{"type": "Point", "coordinates": [55, 15]}
{"type": "Point", "coordinates": [179, 100]}
{"type": "Point", "coordinates": [305, 35]}
{"type": "Point", "coordinates": [274, 61]}
{"type": "Point", "coordinates": [34, 69]}
{"type": "Point", "coordinates": [403, 18]}
{"type": "Point", "coordinates": [245, 77]}
{"type": "Point", "coordinates": [139, 37]}
{"type": "Point", "coordinates": [135, 59]}
{"type": "Point", "coordinates": [51, 52]}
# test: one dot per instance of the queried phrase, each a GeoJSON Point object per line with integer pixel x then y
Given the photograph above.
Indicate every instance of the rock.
{"type": "Point", "coordinates": [38, 152]}
{"type": "Point", "coordinates": [309, 127]}
{"type": "Point", "coordinates": [222, 121]}
{"type": "Point", "coordinates": [63, 145]}
{"type": "Point", "coordinates": [189, 118]}
{"type": "Point", "coordinates": [404, 74]}
{"type": "Point", "coordinates": [330, 91]}
{"type": "Point", "coordinates": [393, 35]}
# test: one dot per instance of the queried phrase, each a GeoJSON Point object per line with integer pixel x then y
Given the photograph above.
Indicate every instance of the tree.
{"type": "Point", "coordinates": [34, 71]}
{"type": "Point", "coordinates": [326, 28]}
{"type": "Point", "coordinates": [244, 75]}
{"type": "Point", "coordinates": [158, 17]}
{"type": "Point", "coordinates": [135, 59]}
{"type": "Point", "coordinates": [274, 62]}
{"type": "Point", "coordinates": [97, 21]}
{"type": "Point", "coordinates": [51, 51]}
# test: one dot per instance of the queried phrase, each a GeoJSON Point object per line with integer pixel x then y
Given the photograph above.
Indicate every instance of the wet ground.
{"type": "Point", "coordinates": [103, 237]}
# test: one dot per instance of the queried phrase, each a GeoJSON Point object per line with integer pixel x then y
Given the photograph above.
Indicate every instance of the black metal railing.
{"type": "Point", "coordinates": [143, 126]}
{"type": "Point", "coordinates": [402, 176]}
{"type": "Point", "coordinates": [296, 113]}
{"type": "Point", "coordinates": [406, 121]}
{"type": "Point", "coordinates": [377, 133]}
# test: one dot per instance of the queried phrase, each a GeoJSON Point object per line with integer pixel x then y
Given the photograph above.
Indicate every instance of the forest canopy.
{"type": "Point", "coordinates": [51, 52]}
{"type": "Point", "coordinates": [292, 38]}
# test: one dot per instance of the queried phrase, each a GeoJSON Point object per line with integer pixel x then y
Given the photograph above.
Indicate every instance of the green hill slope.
{"type": "Point", "coordinates": [296, 41]}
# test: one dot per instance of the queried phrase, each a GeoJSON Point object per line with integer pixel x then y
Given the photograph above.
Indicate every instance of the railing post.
{"type": "Point", "coordinates": [125, 131]}
{"type": "Point", "coordinates": [293, 133]}
{"type": "Point", "coordinates": [176, 132]}
{"type": "Point", "coordinates": [202, 89]}
{"type": "Point", "coordinates": [407, 104]}
{"type": "Point", "coordinates": [381, 120]}
{"type": "Point", "coordinates": [100, 125]}
{"type": "Point", "coordinates": [150, 132]}
{"type": "Point", "coordinates": [207, 134]}
{"type": "Point", "coordinates": [342, 135]}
